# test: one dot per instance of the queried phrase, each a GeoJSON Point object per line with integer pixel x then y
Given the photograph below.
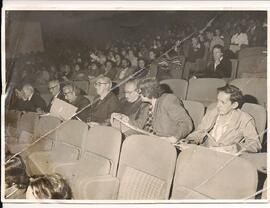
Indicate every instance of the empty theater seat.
{"type": "Point", "coordinates": [100, 158]}
{"type": "Point", "coordinates": [67, 147]}
{"type": "Point", "coordinates": [195, 110]}
{"type": "Point", "coordinates": [204, 90]}
{"type": "Point", "coordinates": [143, 174]}
{"type": "Point", "coordinates": [202, 173]}
{"type": "Point", "coordinates": [178, 86]}
{"type": "Point", "coordinates": [254, 89]}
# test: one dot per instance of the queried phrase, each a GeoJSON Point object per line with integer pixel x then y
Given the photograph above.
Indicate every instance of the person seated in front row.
{"type": "Point", "coordinates": [73, 96]}
{"type": "Point", "coordinates": [29, 100]}
{"type": "Point", "coordinates": [104, 104]}
{"type": "Point", "coordinates": [48, 187]}
{"type": "Point", "coordinates": [165, 115]}
{"type": "Point", "coordinates": [55, 90]}
{"type": "Point", "coordinates": [226, 127]}
{"type": "Point", "coordinates": [16, 178]}
{"type": "Point", "coordinates": [131, 104]}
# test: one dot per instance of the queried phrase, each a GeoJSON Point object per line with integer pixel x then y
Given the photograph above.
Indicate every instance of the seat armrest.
{"type": "Point", "coordinates": [97, 188]}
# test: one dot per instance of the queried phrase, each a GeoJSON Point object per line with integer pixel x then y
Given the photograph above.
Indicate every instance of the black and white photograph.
{"type": "Point", "coordinates": [134, 105]}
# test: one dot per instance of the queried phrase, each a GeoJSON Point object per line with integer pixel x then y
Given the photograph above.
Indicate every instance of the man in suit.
{"type": "Point", "coordinates": [55, 90]}
{"type": "Point", "coordinates": [226, 127]}
{"type": "Point", "coordinates": [165, 115]}
{"type": "Point", "coordinates": [104, 104]}
{"type": "Point", "coordinates": [29, 100]}
{"type": "Point", "coordinates": [73, 96]}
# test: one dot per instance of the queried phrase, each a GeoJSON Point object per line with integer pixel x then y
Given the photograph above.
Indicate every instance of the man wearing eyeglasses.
{"type": "Point", "coordinates": [55, 90]}
{"type": "Point", "coordinates": [73, 96]}
{"type": "Point", "coordinates": [105, 104]}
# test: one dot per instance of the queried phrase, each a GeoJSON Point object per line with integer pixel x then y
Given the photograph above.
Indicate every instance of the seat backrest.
{"type": "Point", "coordinates": [255, 87]}
{"type": "Point", "coordinates": [259, 114]}
{"type": "Point", "coordinates": [204, 89]}
{"type": "Point", "coordinates": [178, 86]}
{"type": "Point", "coordinates": [252, 61]}
{"type": "Point", "coordinates": [12, 118]}
{"type": "Point", "coordinates": [44, 125]}
{"type": "Point", "coordinates": [69, 140]}
{"type": "Point", "coordinates": [202, 173]}
{"type": "Point", "coordinates": [103, 145]}
{"type": "Point", "coordinates": [82, 84]}
{"type": "Point", "coordinates": [28, 121]}
{"type": "Point", "coordinates": [195, 110]}
{"type": "Point", "coordinates": [234, 68]}
{"type": "Point", "coordinates": [146, 168]}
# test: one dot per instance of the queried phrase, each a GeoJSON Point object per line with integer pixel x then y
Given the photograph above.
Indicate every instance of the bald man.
{"type": "Point", "coordinates": [29, 100]}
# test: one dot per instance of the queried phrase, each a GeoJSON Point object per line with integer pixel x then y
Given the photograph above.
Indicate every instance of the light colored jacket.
{"type": "Point", "coordinates": [240, 132]}
{"type": "Point", "coordinates": [169, 117]}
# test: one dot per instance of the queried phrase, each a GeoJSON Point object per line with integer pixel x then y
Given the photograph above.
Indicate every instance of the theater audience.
{"type": "Point", "coordinates": [48, 187]}
{"type": "Point", "coordinates": [29, 100]}
{"type": "Point", "coordinates": [106, 103]}
{"type": "Point", "coordinates": [73, 96]}
{"type": "Point", "coordinates": [165, 116]}
{"type": "Point", "coordinates": [226, 127]}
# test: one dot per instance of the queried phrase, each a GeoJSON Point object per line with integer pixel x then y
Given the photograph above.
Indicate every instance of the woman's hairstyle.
{"type": "Point", "coordinates": [150, 88]}
{"type": "Point", "coordinates": [15, 172]}
{"type": "Point", "coordinates": [235, 94]}
{"type": "Point", "coordinates": [50, 187]}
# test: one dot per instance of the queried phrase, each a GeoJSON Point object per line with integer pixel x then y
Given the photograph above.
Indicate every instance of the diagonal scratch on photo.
{"type": "Point", "coordinates": [135, 105]}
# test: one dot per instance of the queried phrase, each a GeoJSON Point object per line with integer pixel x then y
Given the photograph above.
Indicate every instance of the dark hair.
{"type": "Point", "coordinates": [15, 172]}
{"type": "Point", "coordinates": [220, 47]}
{"type": "Point", "coordinates": [150, 88]}
{"type": "Point", "coordinates": [50, 187]}
{"type": "Point", "coordinates": [235, 94]}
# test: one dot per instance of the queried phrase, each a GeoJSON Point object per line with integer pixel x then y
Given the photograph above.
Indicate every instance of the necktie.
{"type": "Point", "coordinates": [149, 121]}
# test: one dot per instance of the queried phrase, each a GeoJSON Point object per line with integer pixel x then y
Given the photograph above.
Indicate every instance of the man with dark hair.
{"type": "Point", "coordinates": [221, 67]}
{"type": "Point", "coordinates": [226, 127]}
{"type": "Point", "coordinates": [73, 96]}
{"type": "Point", "coordinates": [165, 116]}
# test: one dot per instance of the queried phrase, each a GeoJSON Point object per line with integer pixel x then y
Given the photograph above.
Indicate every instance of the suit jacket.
{"type": "Point", "coordinates": [31, 105]}
{"type": "Point", "coordinates": [80, 103]}
{"type": "Point", "coordinates": [102, 109]}
{"type": "Point", "coordinates": [223, 70]}
{"type": "Point", "coordinates": [241, 131]}
{"type": "Point", "coordinates": [169, 117]}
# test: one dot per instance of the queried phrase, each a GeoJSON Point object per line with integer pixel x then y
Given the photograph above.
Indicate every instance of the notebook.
{"type": "Point", "coordinates": [62, 109]}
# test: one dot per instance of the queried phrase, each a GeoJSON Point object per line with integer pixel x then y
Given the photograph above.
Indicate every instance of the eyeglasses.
{"type": "Point", "coordinates": [66, 93]}
{"type": "Point", "coordinates": [51, 88]}
{"type": "Point", "coordinates": [97, 84]}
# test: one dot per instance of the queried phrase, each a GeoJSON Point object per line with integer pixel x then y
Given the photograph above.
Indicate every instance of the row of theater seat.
{"type": "Point", "coordinates": [202, 89]}
{"type": "Point", "coordinates": [89, 158]}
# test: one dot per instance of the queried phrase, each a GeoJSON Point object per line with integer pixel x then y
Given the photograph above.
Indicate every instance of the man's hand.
{"type": "Point", "coordinates": [170, 139]}
{"type": "Point", "coordinates": [93, 124]}
{"type": "Point", "coordinates": [119, 116]}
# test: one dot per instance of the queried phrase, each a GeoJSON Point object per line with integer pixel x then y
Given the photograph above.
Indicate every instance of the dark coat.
{"type": "Point", "coordinates": [31, 105]}
{"type": "Point", "coordinates": [102, 109]}
{"type": "Point", "coordinates": [80, 103]}
{"type": "Point", "coordinates": [223, 70]}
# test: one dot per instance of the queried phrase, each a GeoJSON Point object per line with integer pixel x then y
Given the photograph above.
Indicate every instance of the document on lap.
{"type": "Point", "coordinates": [62, 109]}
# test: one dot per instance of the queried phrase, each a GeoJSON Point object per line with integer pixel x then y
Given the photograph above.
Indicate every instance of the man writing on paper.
{"type": "Point", "coordinates": [226, 127]}
{"type": "Point", "coordinates": [73, 96]}
{"type": "Point", "coordinates": [165, 115]}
